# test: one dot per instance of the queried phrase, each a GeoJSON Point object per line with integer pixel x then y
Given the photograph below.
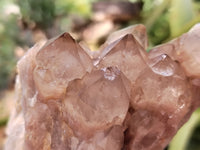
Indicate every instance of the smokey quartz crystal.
{"type": "Point", "coordinates": [120, 97]}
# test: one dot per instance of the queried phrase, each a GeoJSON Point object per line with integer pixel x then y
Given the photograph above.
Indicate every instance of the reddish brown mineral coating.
{"type": "Point", "coordinates": [165, 98]}
{"type": "Point", "coordinates": [117, 98]}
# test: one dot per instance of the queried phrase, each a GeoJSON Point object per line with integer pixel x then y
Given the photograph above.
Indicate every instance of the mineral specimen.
{"type": "Point", "coordinates": [69, 98]}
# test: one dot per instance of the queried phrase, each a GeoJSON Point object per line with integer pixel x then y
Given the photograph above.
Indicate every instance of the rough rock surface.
{"type": "Point", "coordinates": [120, 97]}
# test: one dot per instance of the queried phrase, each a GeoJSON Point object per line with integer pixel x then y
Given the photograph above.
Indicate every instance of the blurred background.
{"type": "Point", "coordinates": [25, 22]}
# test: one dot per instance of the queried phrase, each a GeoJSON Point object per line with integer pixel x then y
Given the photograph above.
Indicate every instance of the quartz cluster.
{"type": "Point", "coordinates": [120, 97]}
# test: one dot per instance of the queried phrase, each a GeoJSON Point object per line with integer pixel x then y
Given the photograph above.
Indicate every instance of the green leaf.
{"type": "Point", "coordinates": [156, 13]}
{"type": "Point", "coordinates": [180, 141]}
{"type": "Point", "coordinates": [181, 12]}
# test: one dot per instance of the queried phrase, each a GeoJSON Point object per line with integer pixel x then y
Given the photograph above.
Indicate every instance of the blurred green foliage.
{"type": "Point", "coordinates": [80, 7]}
{"type": "Point", "coordinates": [8, 38]}
{"type": "Point", "coordinates": [167, 19]}
{"type": "Point", "coordinates": [164, 20]}
{"type": "Point", "coordinates": [193, 142]}
{"type": "Point", "coordinates": [187, 137]}
{"type": "Point", "coordinates": [41, 12]}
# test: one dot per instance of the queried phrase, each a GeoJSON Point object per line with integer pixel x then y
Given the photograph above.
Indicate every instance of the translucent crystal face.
{"type": "Point", "coordinates": [98, 101]}
{"type": "Point", "coordinates": [117, 98]}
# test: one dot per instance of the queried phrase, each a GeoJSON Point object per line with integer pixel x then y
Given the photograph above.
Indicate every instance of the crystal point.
{"type": "Point", "coordinates": [64, 61]}
{"type": "Point", "coordinates": [125, 54]}
{"type": "Point", "coordinates": [185, 50]}
{"type": "Point", "coordinates": [138, 31]}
